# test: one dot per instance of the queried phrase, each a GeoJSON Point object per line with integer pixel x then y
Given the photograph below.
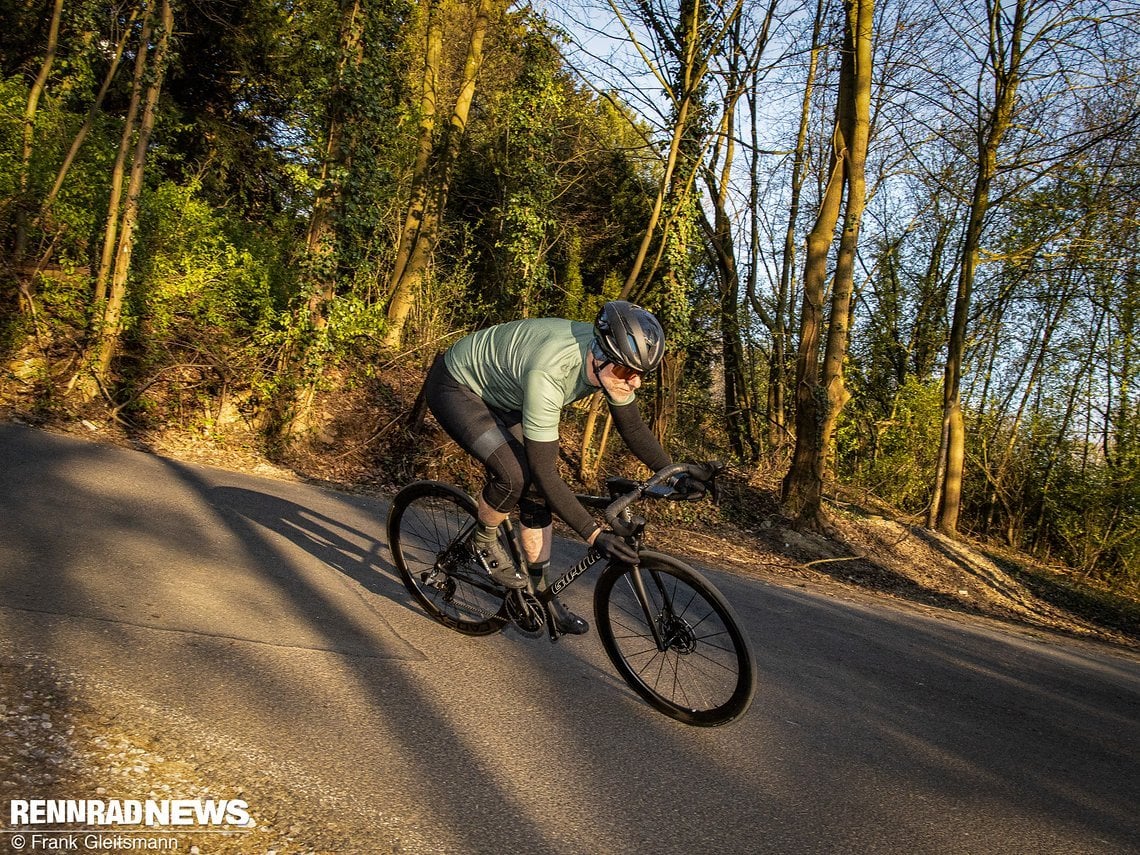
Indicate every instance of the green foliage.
{"type": "Point", "coordinates": [552, 191]}
{"type": "Point", "coordinates": [1093, 513]}
{"type": "Point", "coordinates": [13, 97]}
{"type": "Point", "coordinates": [193, 265]}
{"type": "Point", "coordinates": [892, 454]}
{"type": "Point", "coordinates": [677, 281]}
{"type": "Point", "coordinates": [202, 310]}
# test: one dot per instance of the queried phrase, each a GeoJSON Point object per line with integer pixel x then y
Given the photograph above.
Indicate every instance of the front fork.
{"type": "Point", "coordinates": [635, 526]}
{"type": "Point", "coordinates": [638, 581]}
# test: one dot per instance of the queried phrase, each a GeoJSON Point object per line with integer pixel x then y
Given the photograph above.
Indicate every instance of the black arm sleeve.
{"type": "Point", "coordinates": [542, 458]}
{"type": "Point", "coordinates": [638, 437]}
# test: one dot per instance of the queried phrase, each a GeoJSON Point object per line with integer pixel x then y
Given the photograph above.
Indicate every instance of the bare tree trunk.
{"type": "Point", "coordinates": [946, 505]}
{"type": "Point", "coordinates": [737, 394]}
{"type": "Point", "coordinates": [856, 121]}
{"type": "Point", "coordinates": [737, 390]}
{"type": "Point", "coordinates": [404, 291]}
{"type": "Point", "coordinates": [737, 399]}
{"type": "Point", "coordinates": [106, 343]}
{"type": "Point", "coordinates": [418, 203]}
{"type": "Point", "coordinates": [587, 465]}
{"type": "Point", "coordinates": [820, 392]}
{"type": "Point", "coordinates": [114, 207]}
{"type": "Point", "coordinates": [776, 322]}
{"type": "Point", "coordinates": [803, 484]}
{"type": "Point", "coordinates": [665, 409]}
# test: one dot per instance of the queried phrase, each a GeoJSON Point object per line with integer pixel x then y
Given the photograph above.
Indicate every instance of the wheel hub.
{"type": "Point", "coordinates": [679, 636]}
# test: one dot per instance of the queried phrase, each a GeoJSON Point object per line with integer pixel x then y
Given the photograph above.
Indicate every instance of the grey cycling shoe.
{"type": "Point", "coordinates": [565, 621]}
{"type": "Point", "coordinates": [497, 561]}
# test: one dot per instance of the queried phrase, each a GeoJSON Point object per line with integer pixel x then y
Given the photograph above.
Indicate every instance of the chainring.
{"type": "Point", "coordinates": [526, 613]}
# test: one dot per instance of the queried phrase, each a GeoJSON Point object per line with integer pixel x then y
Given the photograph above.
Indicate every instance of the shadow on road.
{"type": "Point", "coordinates": [359, 556]}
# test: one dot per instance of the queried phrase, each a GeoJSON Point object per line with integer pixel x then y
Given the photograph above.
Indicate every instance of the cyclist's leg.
{"type": "Point", "coordinates": [483, 433]}
{"type": "Point", "coordinates": [537, 529]}
{"type": "Point", "coordinates": [500, 494]}
{"type": "Point", "coordinates": [537, 536]}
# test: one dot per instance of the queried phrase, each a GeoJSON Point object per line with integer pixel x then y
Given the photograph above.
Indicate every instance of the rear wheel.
{"type": "Point", "coordinates": [428, 529]}
{"type": "Point", "coordinates": [675, 639]}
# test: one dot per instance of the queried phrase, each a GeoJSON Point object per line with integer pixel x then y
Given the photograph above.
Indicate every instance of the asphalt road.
{"type": "Point", "coordinates": [269, 613]}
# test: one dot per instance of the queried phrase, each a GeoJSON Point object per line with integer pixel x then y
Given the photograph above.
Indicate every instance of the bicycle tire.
{"type": "Point", "coordinates": [706, 676]}
{"type": "Point", "coordinates": [427, 524]}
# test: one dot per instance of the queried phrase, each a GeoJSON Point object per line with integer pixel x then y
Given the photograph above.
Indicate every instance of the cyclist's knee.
{"type": "Point", "coordinates": [533, 512]}
{"type": "Point", "coordinates": [507, 479]}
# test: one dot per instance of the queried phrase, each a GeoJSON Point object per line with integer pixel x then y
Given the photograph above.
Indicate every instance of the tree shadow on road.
{"type": "Point", "coordinates": [358, 555]}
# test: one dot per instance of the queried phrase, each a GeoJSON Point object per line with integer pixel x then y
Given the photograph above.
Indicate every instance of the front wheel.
{"type": "Point", "coordinates": [675, 639]}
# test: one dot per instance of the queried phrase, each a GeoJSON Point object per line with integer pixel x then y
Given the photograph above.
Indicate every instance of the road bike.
{"type": "Point", "coordinates": [670, 634]}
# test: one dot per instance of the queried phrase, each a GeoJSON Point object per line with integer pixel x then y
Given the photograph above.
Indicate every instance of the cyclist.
{"type": "Point", "coordinates": [499, 393]}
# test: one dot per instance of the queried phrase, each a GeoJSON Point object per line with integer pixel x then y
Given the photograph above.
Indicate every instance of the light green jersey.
{"type": "Point", "coordinates": [534, 366]}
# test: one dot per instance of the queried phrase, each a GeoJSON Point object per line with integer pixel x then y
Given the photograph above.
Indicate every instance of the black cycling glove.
{"type": "Point", "coordinates": [614, 548]}
{"type": "Point", "coordinates": [695, 486]}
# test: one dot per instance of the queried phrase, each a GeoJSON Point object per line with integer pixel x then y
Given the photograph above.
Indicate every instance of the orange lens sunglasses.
{"type": "Point", "coordinates": [624, 372]}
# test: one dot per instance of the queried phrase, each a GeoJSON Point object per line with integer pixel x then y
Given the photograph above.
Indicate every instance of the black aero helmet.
{"type": "Point", "coordinates": [629, 335]}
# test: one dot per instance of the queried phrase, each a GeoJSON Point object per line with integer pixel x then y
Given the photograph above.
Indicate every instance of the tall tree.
{"type": "Point", "coordinates": [108, 330]}
{"type": "Point", "coordinates": [406, 281]}
{"type": "Point", "coordinates": [775, 319]}
{"type": "Point", "coordinates": [122, 157]}
{"type": "Point", "coordinates": [92, 113]}
{"type": "Point", "coordinates": [1005, 57]}
{"type": "Point", "coordinates": [320, 239]}
{"type": "Point", "coordinates": [1034, 52]}
{"type": "Point", "coordinates": [425, 143]}
{"type": "Point", "coordinates": [741, 66]}
{"type": "Point", "coordinates": [820, 389]}
{"type": "Point", "coordinates": [23, 203]}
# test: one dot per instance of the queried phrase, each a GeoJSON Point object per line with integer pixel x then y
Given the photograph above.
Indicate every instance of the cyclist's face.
{"type": "Point", "coordinates": [618, 380]}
